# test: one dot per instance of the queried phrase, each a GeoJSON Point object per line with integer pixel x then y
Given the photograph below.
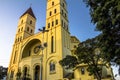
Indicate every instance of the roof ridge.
{"type": "Point", "coordinates": [29, 11]}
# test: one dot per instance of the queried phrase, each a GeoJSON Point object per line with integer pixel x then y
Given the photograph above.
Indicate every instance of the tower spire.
{"type": "Point", "coordinates": [30, 12]}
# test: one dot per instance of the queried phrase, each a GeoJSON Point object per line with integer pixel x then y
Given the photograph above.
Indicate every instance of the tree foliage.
{"type": "Point", "coordinates": [69, 62]}
{"type": "Point", "coordinates": [3, 72]}
{"type": "Point", "coordinates": [87, 53]}
{"type": "Point", "coordinates": [105, 15]}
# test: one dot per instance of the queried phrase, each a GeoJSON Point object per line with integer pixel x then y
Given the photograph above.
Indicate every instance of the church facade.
{"type": "Point", "coordinates": [36, 56]}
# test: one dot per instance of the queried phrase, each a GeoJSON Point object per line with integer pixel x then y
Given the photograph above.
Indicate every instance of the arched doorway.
{"type": "Point", "coordinates": [25, 73]}
{"type": "Point", "coordinates": [37, 72]}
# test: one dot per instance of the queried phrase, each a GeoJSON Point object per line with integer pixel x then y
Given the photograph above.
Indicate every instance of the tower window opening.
{"type": "Point", "coordinates": [52, 23]}
{"type": "Point", "coordinates": [55, 11]}
{"type": "Point", "coordinates": [48, 25]}
{"type": "Point", "coordinates": [22, 29]}
{"type": "Point", "coordinates": [65, 15]}
{"type": "Point", "coordinates": [63, 4]}
{"type": "Point", "coordinates": [56, 21]}
{"type": "Point", "coordinates": [18, 30]}
{"type": "Point", "coordinates": [52, 44]}
{"type": "Point", "coordinates": [52, 3]}
{"type": "Point", "coordinates": [27, 28]}
{"type": "Point", "coordinates": [31, 31]}
{"type": "Point", "coordinates": [30, 21]}
{"type": "Point", "coordinates": [50, 13]}
{"type": "Point", "coordinates": [21, 21]}
{"type": "Point", "coordinates": [18, 39]}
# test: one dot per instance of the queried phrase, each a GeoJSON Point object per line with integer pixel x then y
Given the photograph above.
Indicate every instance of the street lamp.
{"type": "Point", "coordinates": [42, 47]}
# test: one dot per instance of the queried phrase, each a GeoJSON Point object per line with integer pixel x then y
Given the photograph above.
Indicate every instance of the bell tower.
{"type": "Point", "coordinates": [26, 25]}
{"type": "Point", "coordinates": [25, 29]}
{"type": "Point", "coordinates": [57, 24]}
{"type": "Point", "coordinates": [58, 37]}
{"type": "Point", "coordinates": [57, 14]}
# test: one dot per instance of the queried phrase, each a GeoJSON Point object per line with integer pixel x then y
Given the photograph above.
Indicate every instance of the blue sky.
{"type": "Point", "coordinates": [10, 11]}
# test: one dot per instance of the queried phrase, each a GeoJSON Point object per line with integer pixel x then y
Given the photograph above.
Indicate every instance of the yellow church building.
{"type": "Point", "coordinates": [36, 56]}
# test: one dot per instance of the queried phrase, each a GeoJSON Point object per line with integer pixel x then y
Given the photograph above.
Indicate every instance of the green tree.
{"type": "Point", "coordinates": [3, 72]}
{"type": "Point", "coordinates": [105, 14]}
{"type": "Point", "coordinates": [88, 53]}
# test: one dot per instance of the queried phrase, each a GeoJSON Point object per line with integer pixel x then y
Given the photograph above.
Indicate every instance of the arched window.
{"type": "Point", "coordinates": [37, 72]}
{"type": "Point", "coordinates": [56, 21]}
{"type": "Point", "coordinates": [31, 31]}
{"type": "Point", "coordinates": [52, 3]}
{"type": "Point", "coordinates": [52, 23]}
{"type": "Point", "coordinates": [50, 13]}
{"type": "Point", "coordinates": [65, 15]}
{"type": "Point", "coordinates": [21, 21]}
{"type": "Point", "coordinates": [18, 30]}
{"type": "Point", "coordinates": [22, 29]}
{"type": "Point", "coordinates": [52, 44]}
{"type": "Point", "coordinates": [30, 21]}
{"type": "Point", "coordinates": [63, 4]}
{"type": "Point", "coordinates": [48, 25]}
{"type": "Point", "coordinates": [27, 28]}
{"type": "Point", "coordinates": [18, 39]}
{"type": "Point", "coordinates": [55, 10]}
{"type": "Point", "coordinates": [52, 67]}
